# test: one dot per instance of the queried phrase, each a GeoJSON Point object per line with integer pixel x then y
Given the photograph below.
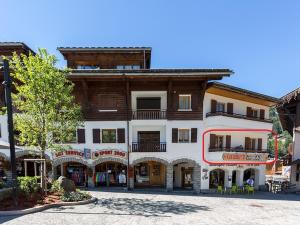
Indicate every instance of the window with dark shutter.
{"type": "Point", "coordinates": [121, 135]}
{"type": "Point", "coordinates": [230, 108]}
{"type": "Point", "coordinates": [249, 112]}
{"type": "Point", "coordinates": [228, 141]}
{"type": "Point", "coordinates": [194, 135]}
{"type": "Point", "coordinates": [213, 108]}
{"type": "Point", "coordinates": [259, 144]}
{"type": "Point", "coordinates": [212, 143]}
{"type": "Point", "coordinates": [81, 135]}
{"type": "Point", "coordinates": [96, 136]}
{"type": "Point", "coordinates": [174, 135]}
{"type": "Point", "coordinates": [262, 114]}
{"type": "Point", "coordinates": [247, 143]}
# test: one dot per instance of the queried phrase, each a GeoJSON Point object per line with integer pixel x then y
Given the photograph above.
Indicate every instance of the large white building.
{"type": "Point", "coordinates": [146, 127]}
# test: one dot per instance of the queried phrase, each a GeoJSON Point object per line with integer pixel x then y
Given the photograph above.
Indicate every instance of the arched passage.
{"type": "Point", "coordinates": [216, 178]}
{"type": "Point", "coordinates": [184, 173]}
{"type": "Point", "coordinates": [110, 172]}
{"type": "Point", "coordinates": [150, 172]}
{"type": "Point", "coordinates": [74, 168]}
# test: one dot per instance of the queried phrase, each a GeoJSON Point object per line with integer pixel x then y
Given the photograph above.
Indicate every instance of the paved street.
{"type": "Point", "coordinates": [143, 209]}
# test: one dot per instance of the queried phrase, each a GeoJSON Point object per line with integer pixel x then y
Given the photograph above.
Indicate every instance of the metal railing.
{"type": "Point", "coordinates": [149, 147]}
{"type": "Point", "coordinates": [149, 115]}
{"type": "Point", "coordinates": [238, 150]}
{"type": "Point", "coordinates": [235, 115]}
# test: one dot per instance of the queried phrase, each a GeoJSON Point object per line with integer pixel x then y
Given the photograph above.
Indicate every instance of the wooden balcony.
{"type": "Point", "coordinates": [149, 115]}
{"type": "Point", "coordinates": [149, 147]}
{"type": "Point", "coordinates": [242, 150]}
{"type": "Point", "coordinates": [239, 116]}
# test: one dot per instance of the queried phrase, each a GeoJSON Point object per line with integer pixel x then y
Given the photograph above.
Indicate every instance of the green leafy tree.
{"type": "Point", "coordinates": [48, 114]}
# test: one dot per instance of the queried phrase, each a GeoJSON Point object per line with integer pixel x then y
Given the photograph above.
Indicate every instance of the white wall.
{"type": "Point", "coordinates": [239, 107]}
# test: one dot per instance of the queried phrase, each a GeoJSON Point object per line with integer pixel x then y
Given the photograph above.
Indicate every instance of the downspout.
{"type": "Point", "coordinates": [128, 145]}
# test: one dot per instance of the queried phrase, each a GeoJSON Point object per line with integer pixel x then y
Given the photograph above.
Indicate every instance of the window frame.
{"type": "Point", "coordinates": [189, 135]}
{"type": "Point", "coordinates": [110, 129]}
{"type": "Point", "coordinates": [224, 106]}
{"type": "Point", "coordinates": [190, 102]}
{"type": "Point", "coordinates": [217, 142]}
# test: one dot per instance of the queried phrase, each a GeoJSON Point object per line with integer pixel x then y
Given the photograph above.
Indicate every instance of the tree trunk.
{"type": "Point", "coordinates": [43, 173]}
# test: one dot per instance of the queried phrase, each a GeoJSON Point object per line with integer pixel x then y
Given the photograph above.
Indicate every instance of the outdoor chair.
{"type": "Point", "coordinates": [240, 189]}
{"type": "Point", "coordinates": [220, 190]}
{"type": "Point", "coordinates": [250, 189]}
{"type": "Point", "coordinates": [233, 189]}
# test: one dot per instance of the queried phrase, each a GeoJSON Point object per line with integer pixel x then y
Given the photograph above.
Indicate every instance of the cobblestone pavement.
{"type": "Point", "coordinates": [159, 208]}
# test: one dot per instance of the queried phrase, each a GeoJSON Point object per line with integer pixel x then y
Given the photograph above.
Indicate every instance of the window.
{"type": "Point", "coordinates": [87, 67]}
{"type": "Point", "coordinates": [219, 141]}
{"type": "Point", "coordinates": [220, 107]}
{"type": "Point", "coordinates": [253, 144]}
{"type": "Point", "coordinates": [183, 135]}
{"type": "Point", "coordinates": [128, 67]}
{"type": "Point", "coordinates": [185, 102]}
{"type": "Point", "coordinates": [254, 113]}
{"type": "Point", "coordinates": [109, 136]}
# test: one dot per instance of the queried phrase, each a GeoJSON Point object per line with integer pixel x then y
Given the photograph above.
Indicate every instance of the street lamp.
{"type": "Point", "coordinates": [7, 85]}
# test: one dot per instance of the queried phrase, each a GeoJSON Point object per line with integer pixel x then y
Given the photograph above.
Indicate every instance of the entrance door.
{"type": "Point", "coordinates": [187, 179]}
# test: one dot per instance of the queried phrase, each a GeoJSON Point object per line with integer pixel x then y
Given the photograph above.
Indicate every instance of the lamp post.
{"type": "Point", "coordinates": [7, 84]}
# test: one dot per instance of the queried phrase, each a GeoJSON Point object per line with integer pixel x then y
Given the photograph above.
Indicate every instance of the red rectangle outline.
{"type": "Point", "coordinates": [241, 130]}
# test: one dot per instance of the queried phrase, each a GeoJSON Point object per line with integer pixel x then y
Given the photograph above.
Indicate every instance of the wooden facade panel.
{"type": "Point", "coordinates": [98, 97]}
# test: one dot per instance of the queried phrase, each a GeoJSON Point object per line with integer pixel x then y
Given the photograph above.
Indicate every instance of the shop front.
{"type": "Point", "coordinates": [150, 174]}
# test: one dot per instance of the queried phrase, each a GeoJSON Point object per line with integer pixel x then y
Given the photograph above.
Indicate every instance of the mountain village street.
{"type": "Point", "coordinates": [160, 208]}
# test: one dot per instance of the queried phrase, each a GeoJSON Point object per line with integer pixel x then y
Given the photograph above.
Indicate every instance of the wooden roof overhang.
{"type": "Point", "coordinates": [241, 94]}
{"type": "Point", "coordinates": [150, 74]}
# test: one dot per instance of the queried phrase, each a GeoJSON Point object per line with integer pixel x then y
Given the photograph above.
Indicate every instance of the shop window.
{"type": "Point", "coordinates": [183, 135]}
{"type": "Point", "coordinates": [185, 102]}
{"type": "Point", "coordinates": [220, 107]}
{"type": "Point", "coordinates": [109, 136]}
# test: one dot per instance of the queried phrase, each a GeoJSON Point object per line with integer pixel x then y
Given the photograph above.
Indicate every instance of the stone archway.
{"type": "Point", "coordinates": [216, 178]}
{"type": "Point", "coordinates": [149, 172]}
{"type": "Point", "coordinates": [155, 159]}
{"type": "Point", "coordinates": [28, 152]}
{"type": "Point", "coordinates": [61, 160]}
{"type": "Point", "coordinates": [109, 159]}
{"type": "Point", "coordinates": [184, 173]}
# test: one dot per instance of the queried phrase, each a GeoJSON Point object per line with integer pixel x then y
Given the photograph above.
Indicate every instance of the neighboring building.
{"type": "Point", "coordinates": [289, 113]}
{"type": "Point", "coordinates": [148, 124]}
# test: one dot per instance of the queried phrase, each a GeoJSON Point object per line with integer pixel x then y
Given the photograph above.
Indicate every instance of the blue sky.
{"type": "Point", "coordinates": [258, 39]}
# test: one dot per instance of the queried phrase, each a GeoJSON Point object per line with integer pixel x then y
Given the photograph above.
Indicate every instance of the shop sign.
{"type": "Point", "coordinates": [114, 153]}
{"type": "Point", "coordinates": [243, 157]}
{"type": "Point", "coordinates": [87, 153]}
{"type": "Point", "coordinates": [69, 153]}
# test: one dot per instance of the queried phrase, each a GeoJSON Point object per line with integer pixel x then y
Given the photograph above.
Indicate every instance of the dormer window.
{"type": "Point", "coordinates": [87, 67]}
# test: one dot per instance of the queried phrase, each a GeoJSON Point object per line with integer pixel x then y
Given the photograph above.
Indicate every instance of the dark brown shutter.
{"type": "Point", "coordinates": [81, 135]}
{"type": "Point", "coordinates": [174, 135]}
{"type": "Point", "coordinates": [262, 114]}
{"type": "Point", "coordinates": [247, 143]}
{"type": "Point", "coordinates": [121, 135]}
{"type": "Point", "coordinates": [228, 141]}
{"type": "Point", "coordinates": [96, 136]}
{"type": "Point", "coordinates": [194, 135]}
{"type": "Point", "coordinates": [213, 106]}
{"type": "Point", "coordinates": [249, 112]}
{"type": "Point", "coordinates": [212, 141]}
{"type": "Point", "coordinates": [259, 144]}
{"type": "Point", "coordinates": [230, 108]}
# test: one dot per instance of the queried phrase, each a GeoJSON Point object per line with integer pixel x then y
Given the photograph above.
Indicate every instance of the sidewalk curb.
{"type": "Point", "coordinates": [44, 207]}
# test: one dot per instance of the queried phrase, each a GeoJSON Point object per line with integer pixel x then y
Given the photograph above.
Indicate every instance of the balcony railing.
{"type": "Point", "coordinates": [149, 147]}
{"type": "Point", "coordinates": [238, 150]}
{"type": "Point", "coordinates": [149, 115]}
{"type": "Point", "coordinates": [240, 116]}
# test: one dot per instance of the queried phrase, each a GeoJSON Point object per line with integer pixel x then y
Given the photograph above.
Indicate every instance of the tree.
{"type": "Point", "coordinates": [48, 115]}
